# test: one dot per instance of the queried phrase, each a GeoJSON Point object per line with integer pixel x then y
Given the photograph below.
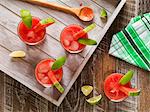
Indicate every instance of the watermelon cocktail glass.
{"type": "Point", "coordinates": [49, 72]}
{"type": "Point", "coordinates": [117, 87]}
{"type": "Point", "coordinates": [74, 38]}
{"type": "Point", "coordinates": [32, 30]}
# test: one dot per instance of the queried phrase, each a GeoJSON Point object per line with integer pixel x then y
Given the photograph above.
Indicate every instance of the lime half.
{"type": "Point", "coordinates": [94, 100]}
{"type": "Point", "coordinates": [86, 90]}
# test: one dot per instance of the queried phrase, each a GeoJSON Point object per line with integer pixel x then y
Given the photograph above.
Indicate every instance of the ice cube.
{"type": "Point", "coordinates": [45, 80]}
{"type": "Point", "coordinates": [74, 46]}
{"type": "Point", "coordinates": [66, 42]}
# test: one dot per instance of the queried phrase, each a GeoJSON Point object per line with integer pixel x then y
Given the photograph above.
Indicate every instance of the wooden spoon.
{"type": "Point", "coordinates": [84, 13]}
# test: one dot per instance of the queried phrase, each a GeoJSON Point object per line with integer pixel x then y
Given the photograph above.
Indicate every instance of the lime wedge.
{"type": "Point", "coordinates": [86, 41]}
{"type": "Point", "coordinates": [94, 100]}
{"type": "Point", "coordinates": [17, 54]}
{"type": "Point", "coordinates": [103, 14]}
{"type": "Point", "coordinates": [26, 17]}
{"type": "Point", "coordinates": [86, 90]}
{"type": "Point", "coordinates": [47, 21]}
{"type": "Point", "coordinates": [89, 28]}
{"type": "Point", "coordinates": [126, 78]}
{"type": "Point", "coordinates": [59, 63]}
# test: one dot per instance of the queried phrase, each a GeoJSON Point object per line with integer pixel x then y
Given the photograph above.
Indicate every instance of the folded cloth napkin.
{"type": "Point", "coordinates": [132, 44]}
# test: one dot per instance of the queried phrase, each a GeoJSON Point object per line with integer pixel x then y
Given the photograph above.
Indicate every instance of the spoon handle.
{"type": "Point", "coordinates": [51, 5]}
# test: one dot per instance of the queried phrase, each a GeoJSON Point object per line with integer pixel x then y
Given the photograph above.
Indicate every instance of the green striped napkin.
{"type": "Point", "coordinates": [132, 44]}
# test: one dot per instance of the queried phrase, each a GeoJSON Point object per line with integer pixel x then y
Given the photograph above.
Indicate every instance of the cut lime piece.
{"type": "Point", "coordinates": [17, 54]}
{"type": "Point", "coordinates": [89, 28]}
{"type": "Point", "coordinates": [47, 21]}
{"type": "Point", "coordinates": [94, 100]}
{"type": "Point", "coordinates": [130, 91]}
{"type": "Point", "coordinates": [103, 14]}
{"type": "Point", "coordinates": [86, 90]}
{"type": "Point", "coordinates": [59, 63]}
{"type": "Point", "coordinates": [126, 78]}
{"type": "Point", "coordinates": [86, 41]}
{"type": "Point", "coordinates": [26, 17]}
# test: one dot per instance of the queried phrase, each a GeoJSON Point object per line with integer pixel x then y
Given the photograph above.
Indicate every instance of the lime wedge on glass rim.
{"type": "Point", "coordinates": [26, 17]}
{"type": "Point", "coordinates": [59, 63]}
{"type": "Point", "coordinates": [86, 90]}
{"type": "Point", "coordinates": [126, 78]}
{"type": "Point", "coordinates": [94, 100]}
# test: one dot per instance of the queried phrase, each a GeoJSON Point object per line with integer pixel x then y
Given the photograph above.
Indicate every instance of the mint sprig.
{"type": "Point", "coordinates": [26, 17]}
{"type": "Point", "coordinates": [59, 63]}
{"type": "Point", "coordinates": [86, 41]}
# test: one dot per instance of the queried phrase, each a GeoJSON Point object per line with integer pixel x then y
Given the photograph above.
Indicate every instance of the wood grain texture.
{"type": "Point", "coordinates": [15, 97]}
{"type": "Point", "coordinates": [51, 47]}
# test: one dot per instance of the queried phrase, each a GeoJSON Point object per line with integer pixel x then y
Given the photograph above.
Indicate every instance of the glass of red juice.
{"type": "Point", "coordinates": [43, 68]}
{"type": "Point", "coordinates": [68, 41]}
{"type": "Point", "coordinates": [111, 88]}
{"type": "Point", "coordinates": [28, 36]}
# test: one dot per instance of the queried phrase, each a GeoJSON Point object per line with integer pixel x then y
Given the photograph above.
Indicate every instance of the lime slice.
{"type": "Point", "coordinates": [86, 90]}
{"type": "Point", "coordinates": [94, 100]}
{"type": "Point", "coordinates": [26, 17]}
{"type": "Point", "coordinates": [103, 14]}
{"type": "Point", "coordinates": [89, 28]}
{"type": "Point", "coordinates": [47, 21]}
{"type": "Point", "coordinates": [86, 41]}
{"type": "Point", "coordinates": [17, 54]}
{"type": "Point", "coordinates": [126, 78]}
{"type": "Point", "coordinates": [59, 63]}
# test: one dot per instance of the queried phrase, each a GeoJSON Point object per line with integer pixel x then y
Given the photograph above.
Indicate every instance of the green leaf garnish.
{"type": "Point", "coordinates": [59, 63]}
{"type": "Point", "coordinates": [47, 21]}
{"type": "Point", "coordinates": [26, 17]}
{"type": "Point", "coordinates": [126, 78]}
{"type": "Point", "coordinates": [86, 41]}
{"type": "Point", "coordinates": [103, 14]}
{"type": "Point", "coordinates": [89, 28]}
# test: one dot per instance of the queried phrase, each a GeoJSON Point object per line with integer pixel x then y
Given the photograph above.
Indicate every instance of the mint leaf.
{"type": "Point", "coordinates": [86, 41]}
{"type": "Point", "coordinates": [59, 63]}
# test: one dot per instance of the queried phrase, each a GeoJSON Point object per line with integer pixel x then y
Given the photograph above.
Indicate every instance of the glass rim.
{"type": "Point", "coordinates": [31, 43]}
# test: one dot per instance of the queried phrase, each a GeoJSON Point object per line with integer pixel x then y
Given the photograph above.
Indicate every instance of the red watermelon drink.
{"type": "Point", "coordinates": [32, 30]}
{"type": "Point", "coordinates": [49, 72]}
{"type": "Point", "coordinates": [74, 38]}
{"type": "Point", "coordinates": [117, 87]}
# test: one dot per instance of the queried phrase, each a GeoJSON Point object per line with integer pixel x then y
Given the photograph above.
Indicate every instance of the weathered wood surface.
{"type": "Point", "coordinates": [23, 69]}
{"type": "Point", "coordinates": [15, 97]}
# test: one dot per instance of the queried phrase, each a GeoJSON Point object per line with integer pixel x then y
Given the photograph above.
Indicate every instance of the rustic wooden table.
{"type": "Point", "coordinates": [14, 97]}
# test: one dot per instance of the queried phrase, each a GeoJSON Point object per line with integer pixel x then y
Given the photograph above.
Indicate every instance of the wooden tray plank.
{"type": "Point", "coordinates": [109, 5]}
{"type": "Point", "coordinates": [47, 46]}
